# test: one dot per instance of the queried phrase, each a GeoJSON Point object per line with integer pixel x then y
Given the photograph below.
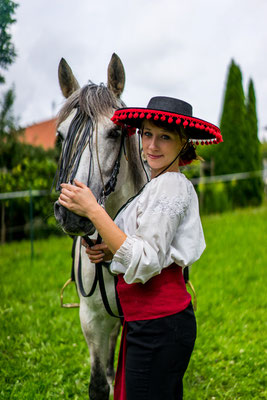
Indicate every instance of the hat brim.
{"type": "Point", "coordinates": [198, 130]}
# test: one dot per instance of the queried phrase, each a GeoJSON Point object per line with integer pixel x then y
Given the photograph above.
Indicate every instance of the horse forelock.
{"type": "Point", "coordinates": [93, 101]}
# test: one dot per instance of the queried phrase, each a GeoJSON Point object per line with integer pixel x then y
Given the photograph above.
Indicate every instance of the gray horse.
{"type": "Point", "coordinates": [91, 149]}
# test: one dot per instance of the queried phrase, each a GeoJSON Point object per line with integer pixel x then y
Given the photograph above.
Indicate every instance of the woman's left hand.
{"type": "Point", "coordinates": [78, 199]}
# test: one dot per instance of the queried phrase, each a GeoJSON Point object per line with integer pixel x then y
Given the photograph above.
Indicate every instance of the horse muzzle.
{"type": "Point", "coordinates": [71, 223]}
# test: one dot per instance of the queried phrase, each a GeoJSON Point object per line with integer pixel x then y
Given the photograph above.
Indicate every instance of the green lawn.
{"type": "Point", "coordinates": [44, 355]}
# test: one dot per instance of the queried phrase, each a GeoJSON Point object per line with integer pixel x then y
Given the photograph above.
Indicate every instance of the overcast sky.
{"type": "Point", "coordinates": [178, 48]}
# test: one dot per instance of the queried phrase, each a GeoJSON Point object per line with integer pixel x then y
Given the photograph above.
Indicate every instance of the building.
{"type": "Point", "coordinates": [41, 134]}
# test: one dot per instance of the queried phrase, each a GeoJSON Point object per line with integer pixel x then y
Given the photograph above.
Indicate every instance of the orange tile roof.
{"type": "Point", "coordinates": [41, 134]}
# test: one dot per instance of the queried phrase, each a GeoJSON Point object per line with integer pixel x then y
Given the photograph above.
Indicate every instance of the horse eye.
{"type": "Point", "coordinates": [114, 133]}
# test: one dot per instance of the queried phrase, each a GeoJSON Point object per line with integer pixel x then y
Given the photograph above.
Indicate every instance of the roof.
{"type": "Point", "coordinates": [41, 134]}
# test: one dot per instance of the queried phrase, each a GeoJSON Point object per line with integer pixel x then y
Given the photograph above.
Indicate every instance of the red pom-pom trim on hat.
{"type": "Point", "coordinates": [210, 133]}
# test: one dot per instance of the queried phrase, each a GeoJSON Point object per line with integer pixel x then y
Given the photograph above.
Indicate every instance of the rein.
{"type": "Point", "coordinates": [100, 279]}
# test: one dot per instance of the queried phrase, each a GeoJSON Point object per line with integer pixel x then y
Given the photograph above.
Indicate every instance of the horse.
{"type": "Point", "coordinates": [91, 150]}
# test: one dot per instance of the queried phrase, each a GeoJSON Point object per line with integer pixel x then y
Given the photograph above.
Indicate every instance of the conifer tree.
{"type": "Point", "coordinates": [231, 156]}
{"type": "Point", "coordinates": [231, 153]}
{"type": "Point", "coordinates": [254, 160]}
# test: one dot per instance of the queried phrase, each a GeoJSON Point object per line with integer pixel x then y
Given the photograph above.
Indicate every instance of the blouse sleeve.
{"type": "Point", "coordinates": [160, 211]}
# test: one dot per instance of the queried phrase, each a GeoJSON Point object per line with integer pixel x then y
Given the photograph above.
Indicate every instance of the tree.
{"type": "Point", "coordinates": [240, 150]}
{"type": "Point", "coordinates": [9, 132]}
{"type": "Point", "coordinates": [7, 49]}
{"type": "Point", "coordinates": [230, 155]}
{"type": "Point", "coordinates": [254, 158]}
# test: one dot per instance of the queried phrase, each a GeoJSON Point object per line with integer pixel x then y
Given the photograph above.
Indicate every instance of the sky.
{"type": "Point", "coordinates": [177, 48]}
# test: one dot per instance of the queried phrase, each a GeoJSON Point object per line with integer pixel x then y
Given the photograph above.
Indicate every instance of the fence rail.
{"type": "Point", "coordinates": [195, 181]}
{"type": "Point", "coordinates": [24, 193]}
{"type": "Point", "coordinates": [229, 177]}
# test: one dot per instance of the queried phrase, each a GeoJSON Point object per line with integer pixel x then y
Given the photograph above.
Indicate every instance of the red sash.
{"type": "Point", "coordinates": [162, 295]}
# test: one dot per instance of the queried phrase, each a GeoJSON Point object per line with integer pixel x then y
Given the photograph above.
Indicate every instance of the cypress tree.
{"type": "Point", "coordinates": [231, 155]}
{"type": "Point", "coordinates": [254, 160]}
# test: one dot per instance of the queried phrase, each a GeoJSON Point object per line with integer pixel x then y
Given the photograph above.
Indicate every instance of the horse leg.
{"type": "Point", "coordinates": [112, 347]}
{"type": "Point", "coordinates": [97, 330]}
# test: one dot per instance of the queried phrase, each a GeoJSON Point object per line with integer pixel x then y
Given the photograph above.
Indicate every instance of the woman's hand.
{"type": "Point", "coordinates": [78, 199]}
{"type": "Point", "coordinates": [98, 252]}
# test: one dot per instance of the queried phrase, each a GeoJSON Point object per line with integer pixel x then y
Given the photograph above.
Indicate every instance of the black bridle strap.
{"type": "Point", "coordinates": [79, 275]}
{"type": "Point", "coordinates": [98, 278]}
{"type": "Point", "coordinates": [111, 184]}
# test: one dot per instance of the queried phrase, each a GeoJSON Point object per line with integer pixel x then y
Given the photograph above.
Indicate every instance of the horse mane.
{"type": "Point", "coordinates": [134, 159]}
{"type": "Point", "coordinates": [91, 102]}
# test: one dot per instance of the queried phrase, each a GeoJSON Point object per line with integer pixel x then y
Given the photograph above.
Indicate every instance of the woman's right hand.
{"type": "Point", "coordinates": [98, 252]}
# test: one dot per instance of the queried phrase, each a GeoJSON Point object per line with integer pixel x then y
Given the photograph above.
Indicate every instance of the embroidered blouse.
{"type": "Point", "coordinates": [162, 225]}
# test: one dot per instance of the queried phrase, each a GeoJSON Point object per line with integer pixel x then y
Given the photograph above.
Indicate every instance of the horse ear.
{"type": "Point", "coordinates": [67, 81]}
{"type": "Point", "coordinates": [116, 75]}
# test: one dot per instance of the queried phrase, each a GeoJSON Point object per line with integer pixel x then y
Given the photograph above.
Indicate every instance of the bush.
{"type": "Point", "coordinates": [34, 169]}
{"type": "Point", "coordinates": [213, 198]}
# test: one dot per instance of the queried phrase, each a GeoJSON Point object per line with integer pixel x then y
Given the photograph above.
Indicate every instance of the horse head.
{"type": "Point", "coordinates": [92, 144]}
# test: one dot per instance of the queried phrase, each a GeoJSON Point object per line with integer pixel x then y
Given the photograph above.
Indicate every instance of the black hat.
{"type": "Point", "coordinates": [169, 111]}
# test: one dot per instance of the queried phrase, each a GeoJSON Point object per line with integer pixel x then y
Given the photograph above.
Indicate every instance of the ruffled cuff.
{"type": "Point", "coordinates": [123, 256]}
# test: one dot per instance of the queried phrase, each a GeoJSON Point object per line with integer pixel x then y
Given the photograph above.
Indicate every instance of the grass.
{"type": "Point", "coordinates": [43, 352]}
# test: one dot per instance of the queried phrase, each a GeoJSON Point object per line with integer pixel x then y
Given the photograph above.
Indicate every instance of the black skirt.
{"type": "Point", "coordinates": [158, 353]}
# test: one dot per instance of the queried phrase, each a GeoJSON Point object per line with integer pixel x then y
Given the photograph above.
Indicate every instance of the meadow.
{"type": "Point", "coordinates": [43, 354]}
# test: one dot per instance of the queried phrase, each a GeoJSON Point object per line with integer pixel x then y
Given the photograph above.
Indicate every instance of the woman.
{"type": "Point", "coordinates": [153, 237]}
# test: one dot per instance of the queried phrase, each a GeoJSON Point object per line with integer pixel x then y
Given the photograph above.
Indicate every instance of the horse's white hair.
{"type": "Point", "coordinates": [93, 101]}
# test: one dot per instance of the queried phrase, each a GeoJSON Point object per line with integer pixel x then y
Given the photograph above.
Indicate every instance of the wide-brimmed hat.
{"type": "Point", "coordinates": [170, 112]}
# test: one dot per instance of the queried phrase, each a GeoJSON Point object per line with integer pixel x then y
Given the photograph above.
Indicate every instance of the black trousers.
{"type": "Point", "coordinates": [158, 353]}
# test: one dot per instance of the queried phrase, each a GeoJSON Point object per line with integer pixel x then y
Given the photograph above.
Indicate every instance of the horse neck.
{"type": "Point", "coordinates": [131, 179]}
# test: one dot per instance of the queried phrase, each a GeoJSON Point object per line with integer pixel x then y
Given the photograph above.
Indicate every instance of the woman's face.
{"type": "Point", "coordinates": [160, 148]}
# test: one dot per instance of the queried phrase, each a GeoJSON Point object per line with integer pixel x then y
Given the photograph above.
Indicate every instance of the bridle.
{"type": "Point", "coordinates": [65, 173]}
{"type": "Point", "coordinates": [107, 189]}
{"type": "Point", "coordinates": [110, 186]}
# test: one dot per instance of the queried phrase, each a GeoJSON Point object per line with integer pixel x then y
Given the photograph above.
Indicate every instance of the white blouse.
{"type": "Point", "coordinates": [162, 225]}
